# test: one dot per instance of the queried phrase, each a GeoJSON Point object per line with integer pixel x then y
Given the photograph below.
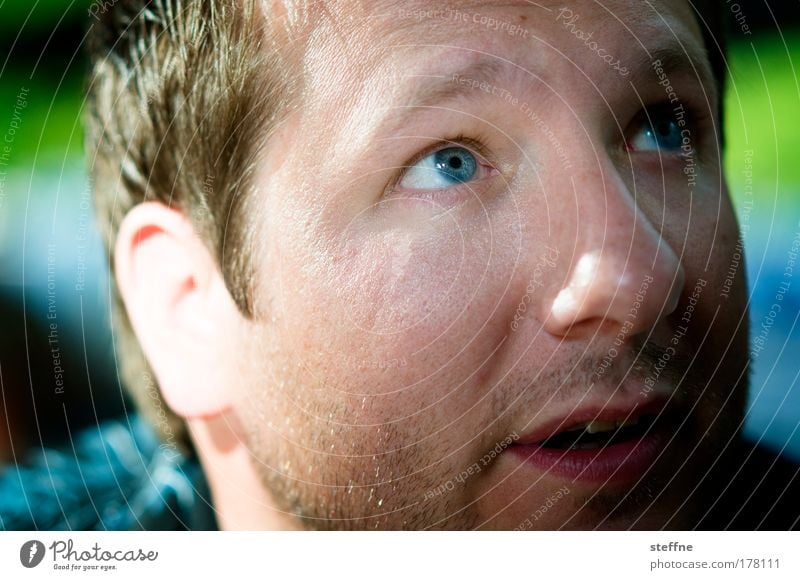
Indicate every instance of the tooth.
{"type": "Point", "coordinates": [628, 422]}
{"type": "Point", "coordinates": [600, 426]}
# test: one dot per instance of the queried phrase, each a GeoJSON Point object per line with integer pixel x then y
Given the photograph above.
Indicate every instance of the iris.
{"type": "Point", "coordinates": [456, 164]}
{"type": "Point", "coordinates": [661, 132]}
{"type": "Point", "coordinates": [440, 169]}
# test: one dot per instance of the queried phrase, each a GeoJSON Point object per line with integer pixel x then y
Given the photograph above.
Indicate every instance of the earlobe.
{"type": "Point", "coordinates": [179, 306]}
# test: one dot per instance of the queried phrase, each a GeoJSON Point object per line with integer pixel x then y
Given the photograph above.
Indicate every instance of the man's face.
{"type": "Point", "coordinates": [486, 227]}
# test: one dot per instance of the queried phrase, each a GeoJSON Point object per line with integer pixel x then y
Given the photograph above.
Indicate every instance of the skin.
{"type": "Point", "coordinates": [388, 351]}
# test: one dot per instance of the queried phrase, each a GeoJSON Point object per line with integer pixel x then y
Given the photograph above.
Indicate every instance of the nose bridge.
{"type": "Point", "coordinates": [622, 271]}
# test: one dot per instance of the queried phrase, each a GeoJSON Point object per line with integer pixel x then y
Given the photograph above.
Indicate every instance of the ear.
{"type": "Point", "coordinates": [179, 307]}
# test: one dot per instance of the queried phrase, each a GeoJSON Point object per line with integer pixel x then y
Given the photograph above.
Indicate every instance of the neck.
{"type": "Point", "coordinates": [241, 500]}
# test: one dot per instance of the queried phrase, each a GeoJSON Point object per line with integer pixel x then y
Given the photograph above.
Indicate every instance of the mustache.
{"type": "Point", "coordinates": [675, 362]}
{"type": "Point", "coordinates": [642, 365]}
{"type": "Point", "coordinates": [645, 361]}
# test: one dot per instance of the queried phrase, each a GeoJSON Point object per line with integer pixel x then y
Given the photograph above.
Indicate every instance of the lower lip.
{"type": "Point", "coordinates": [623, 462]}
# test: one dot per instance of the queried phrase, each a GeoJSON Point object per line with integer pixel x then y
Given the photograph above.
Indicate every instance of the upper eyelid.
{"type": "Point", "coordinates": [474, 146]}
{"type": "Point", "coordinates": [468, 143]}
{"type": "Point", "coordinates": [698, 121]}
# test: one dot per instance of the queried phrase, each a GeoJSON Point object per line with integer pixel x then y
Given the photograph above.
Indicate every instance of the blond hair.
{"type": "Point", "coordinates": [181, 96]}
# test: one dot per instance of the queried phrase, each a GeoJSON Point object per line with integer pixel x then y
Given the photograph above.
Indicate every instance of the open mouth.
{"type": "Point", "coordinates": [604, 445]}
{"type": "Point", "coordinates": [596, 434]}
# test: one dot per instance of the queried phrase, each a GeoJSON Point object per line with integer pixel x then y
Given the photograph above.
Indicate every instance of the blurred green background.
{"type": "Point", "coordinates": [46, 243]}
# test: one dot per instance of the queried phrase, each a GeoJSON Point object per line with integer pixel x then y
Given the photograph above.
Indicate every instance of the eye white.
{"type": "Point", "coordinates": [441, 169]}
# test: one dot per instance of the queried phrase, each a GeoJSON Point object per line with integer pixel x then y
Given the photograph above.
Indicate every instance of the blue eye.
{"type": "Point", "coordinates": [441, 169]}
{"type": "Point", "coordinates": [661, 133]}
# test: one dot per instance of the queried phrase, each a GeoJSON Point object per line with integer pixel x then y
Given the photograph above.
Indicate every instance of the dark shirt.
{"type": "Point", "coordinates": [754, 489]}
{"type": "Point", "coordinates": [118, 477]}
{"type": "Point", "coordinates": [115, 476]}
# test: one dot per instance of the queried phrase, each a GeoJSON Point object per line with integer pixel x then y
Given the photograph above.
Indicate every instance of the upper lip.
{"type": "Point", "coordinates": [655, 405]}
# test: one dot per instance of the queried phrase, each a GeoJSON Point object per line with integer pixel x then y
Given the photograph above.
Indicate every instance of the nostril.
{"type": "Point", "coordinates": [589, 327]}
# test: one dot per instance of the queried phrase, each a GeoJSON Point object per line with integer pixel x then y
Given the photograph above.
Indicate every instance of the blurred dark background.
{"type": "Point", "coordinates": [57, 367]}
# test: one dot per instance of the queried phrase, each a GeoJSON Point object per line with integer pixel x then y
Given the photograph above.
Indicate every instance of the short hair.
{"type": "Point", "coordinates": [179, 99]}
{"type": "Point", "coordinates": [182, 96]}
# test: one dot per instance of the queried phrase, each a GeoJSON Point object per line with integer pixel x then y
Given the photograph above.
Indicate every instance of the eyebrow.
{"type": "Point", "coordinates": [462, 82]}
{"type": "Point", "coordinates": [441, 90]}
{"type": "Point", "coordinates": [465, 82]}
{"type": "Point", "coordinates": [674, 60]}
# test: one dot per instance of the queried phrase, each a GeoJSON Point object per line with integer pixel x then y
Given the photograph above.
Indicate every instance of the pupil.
{"type": "Point", "coordinates": [456, 164]}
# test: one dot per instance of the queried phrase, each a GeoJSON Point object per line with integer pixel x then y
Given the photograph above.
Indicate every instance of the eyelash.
{"type": "Point", "coordinates": [697, 120]}
{"type": "Point", "coordinates": [476, 145]}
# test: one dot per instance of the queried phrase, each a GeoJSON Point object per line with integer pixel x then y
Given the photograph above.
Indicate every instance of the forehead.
{"type": "Point", "coordinates": [369, 56]}
{"type": "Point", "coordinates": [358, 36]}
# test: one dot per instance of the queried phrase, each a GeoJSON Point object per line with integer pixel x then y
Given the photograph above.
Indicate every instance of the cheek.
{"type": "Point", "coordinates": [406, 282]}
{"type": "Point", "coordinates": [708, 236]}
{"type": "Point", "coordinates": [696, 218]}
{"type": "Point", "coordinates": [408, 304]}
{"type": "Point", "coordinates": [724, 267]}
{"type": "Point", "coordinates": [380, 336]}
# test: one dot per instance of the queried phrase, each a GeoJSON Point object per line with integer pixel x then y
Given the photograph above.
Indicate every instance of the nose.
{"type": "Point", "coordinates": [624, 273]}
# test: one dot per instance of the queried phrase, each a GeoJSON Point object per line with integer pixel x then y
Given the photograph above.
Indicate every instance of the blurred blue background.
{"type": "Point", "coordinates": [54, 280]}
